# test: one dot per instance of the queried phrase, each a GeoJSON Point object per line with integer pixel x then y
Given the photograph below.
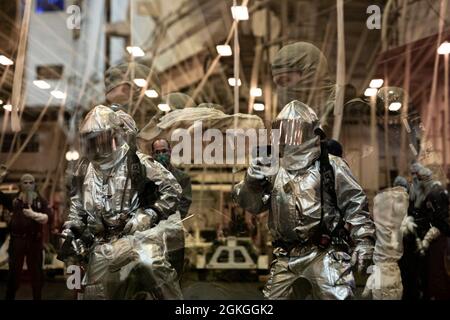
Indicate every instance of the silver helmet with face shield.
{"type": "Point", "coordinates": [296, 124]}
{"type": "Point", "coordinates": [104, 137]}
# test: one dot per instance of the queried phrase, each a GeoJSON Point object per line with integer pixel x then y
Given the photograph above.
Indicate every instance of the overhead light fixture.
{"type": "Point", "coordinates": [135, 51]}
{"type": "Point", "coordinates": [239, 12]}
{"type": "Point", "coordinates": [41, 84]}
{"type": "Point", "coordinates": [444, 48]}
{"type": "Point", "coordinates": [232, 82]}
{"type": "Point", "coordinates": [151, 93]}
{"type": "Point", "coordinates": [140, 82]}
{"type": "Point", "coordinates": [256, 92]}
{"type": "Point", "coordinates": [72, 155]}
{"type": "Point", "coordinates": [164, 107]}
{"type": "Point", "coordinates": [376, 83]}
{"type": "Point", "coordinates": [1, 101]}
{"type": "Point", "coordinates": [75, 155]}
{"type": "Point", "coordinates": [6, 61]}
{"type": "Point", "coordinates": [395, 106]}
{"type": "Point", "coordinates": [58, 94]}
{"type": "Point", "coordinates": [258, 106]}
{"type": "Point", "coordinates": [370, 92]}
{"type": "Point", "coordinates": [7, 107]}
{"type": "Point", "coordinates": [224, 50]}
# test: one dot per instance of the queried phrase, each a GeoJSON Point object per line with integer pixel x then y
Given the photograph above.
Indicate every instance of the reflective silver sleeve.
{"type": "Point", "coordinates": [168, 187]}
{"type": "Point", "coordinates": [352, 201]}
{"type": "Point", "coordinates": [250, 195]}
{"type": "Point", "coordinates": [75, 213]}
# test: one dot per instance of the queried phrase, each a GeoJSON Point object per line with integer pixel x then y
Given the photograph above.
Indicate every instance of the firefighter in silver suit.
{"type": "Point", "coordinates": [113, 230]}
{"type": "Point", "coordinates": [318, 236]}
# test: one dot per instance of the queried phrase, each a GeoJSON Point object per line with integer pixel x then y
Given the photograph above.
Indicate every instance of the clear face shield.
{"type": "Point", "coordinates": [99, 145]}
{"type": "Point", "coordinates": [293, 132]}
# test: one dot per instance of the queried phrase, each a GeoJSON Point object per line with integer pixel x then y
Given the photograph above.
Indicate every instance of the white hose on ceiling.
{"type": "Point", "coordinates": [432, 99]}
{"type": "Point", "coordinates": [20, 65]}
{"type": "Point", "coordinates": [340, 71]}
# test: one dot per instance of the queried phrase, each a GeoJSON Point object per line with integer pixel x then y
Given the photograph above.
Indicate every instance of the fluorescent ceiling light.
{"type": "Point", "coordinates": [256, 92]}
{"type": "Point", "coordinates": [370, 92]}
{"type": "Point", "coordinates": [395, 106]}
{"type": "Point", "coordinates": [376, 83]}
{"type": "Point", "coordinates": [224, 50]}
{"type": "Point", "coordinates": [58, 94]}
{"type": "Point", "coordinates": [140, 82]}
{"type": "Point", "coordinates": [239, 12]}
{"type": "Point", "coordinates": [232, 82]}
{"type": "Point", "coordinates": [5, 61]}
{"type": "Point", "coordinates": [151, 93]}
{"type": "Point", "coordinates": [258, 106]}
{"type": "Point", "coordinates": [135, 51]}
{"type": "Point", "coordinates": [164, 107]}
{"type": "Point", "coordinates": [72, 155]}
{"type": "Point", "coordinates": [41, 84]}
{"type": "Point", "coordinates": [444, 48]}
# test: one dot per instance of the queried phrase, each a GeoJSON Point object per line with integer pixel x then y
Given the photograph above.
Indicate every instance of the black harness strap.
{"type": "Point", "coordinates": [327, 184]}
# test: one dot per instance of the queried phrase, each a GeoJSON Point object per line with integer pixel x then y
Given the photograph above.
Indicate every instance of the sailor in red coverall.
{"type": "Point", "coordinates": [30, 214]}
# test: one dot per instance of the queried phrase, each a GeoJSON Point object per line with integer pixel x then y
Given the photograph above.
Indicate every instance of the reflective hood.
{"type": "Point", "coordinates": [104, 137]}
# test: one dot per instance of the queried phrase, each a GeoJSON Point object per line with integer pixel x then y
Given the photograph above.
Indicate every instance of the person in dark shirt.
{"type": "Point", "coordinates": [30, 212]}
{"type": "Point", "coordinates": [161, 152]}
{"type": "Point", "coordinates": [424, 274]}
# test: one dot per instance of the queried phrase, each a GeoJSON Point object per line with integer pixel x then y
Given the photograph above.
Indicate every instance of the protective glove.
{"type": "Point", "coordinates": [39, 217]}
{"type": "Point", "coordinates": [72, 250]}
{"type": "Point", "coordinates": [141, 221]}
{"type": "Point", "coordinates": [384, 282]}
{"type": "Point", "coordinates": [260, 168]}
{"type": "Point", "coordinates": [123, 252]}
{"type": "Point", "coordinates": [408, 225]}
{"type": "Point", "coordinates": [431, 235]}
{"type": "Point", "coordinates": [362, 255]}
{"type": "Point", "coordinates": [95, 224]}
{"type": "Point", "coordinates": [371, 280]}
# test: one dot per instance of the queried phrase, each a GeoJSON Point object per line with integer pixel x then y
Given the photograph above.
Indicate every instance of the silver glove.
{"type": "Point", "coordinates": [384, 282]}
{"type": "Point", "coordinates": [95, 224]}
{"type": "Point", "coordinates": [363, 254]}
{"type": "Point", "coordinates": [141, 221]}
{"type": "Point", "coordinates": [261, 168]}
{"type": "Point", "coordinates": [123, 252]}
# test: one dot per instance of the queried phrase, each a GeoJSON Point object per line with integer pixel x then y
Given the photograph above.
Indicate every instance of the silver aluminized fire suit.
{"type": "Point", "coordinates": [127, 259]}
{"type": "Point", "coordinates": [292, 195]}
